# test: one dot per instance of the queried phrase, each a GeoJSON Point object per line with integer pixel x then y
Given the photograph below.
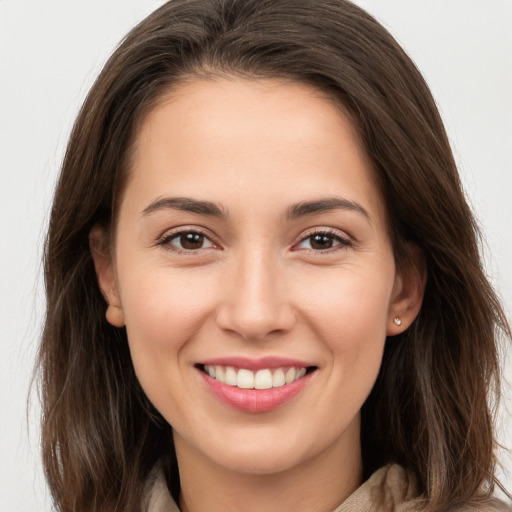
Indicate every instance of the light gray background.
{"type": "Point", "coordinates": [50, 52]}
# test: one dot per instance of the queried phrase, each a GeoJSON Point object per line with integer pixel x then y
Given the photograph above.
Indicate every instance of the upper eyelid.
{"type": "Point", "coordinates": [171, 233]}
{"type": "Point", "coordinates": [164, 241]}
{"type": "Point", "coordinates": [334, 232]}
{"type": "Point", "coordinates": [345, 241]}
{"type": "Point", "coordinates": [337, 233]}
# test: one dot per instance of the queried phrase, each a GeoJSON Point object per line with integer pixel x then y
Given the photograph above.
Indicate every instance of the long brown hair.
{"type": "Point", "coordinates": [430, 409]}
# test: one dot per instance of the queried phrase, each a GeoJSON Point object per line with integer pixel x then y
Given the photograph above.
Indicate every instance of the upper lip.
{"type": "Point", "coordinates": [256, 364]}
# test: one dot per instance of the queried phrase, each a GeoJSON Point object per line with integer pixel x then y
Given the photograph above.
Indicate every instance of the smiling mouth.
{"type": "Point", "coordinates": [265, 378]}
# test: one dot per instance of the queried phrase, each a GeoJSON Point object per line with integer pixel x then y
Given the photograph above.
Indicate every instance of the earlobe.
{"type": "Point", "coordinates": [105, 275]}
{"type": "Point", "coordinates": [407, 293]}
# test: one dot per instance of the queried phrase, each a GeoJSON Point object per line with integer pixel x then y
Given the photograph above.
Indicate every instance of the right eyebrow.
{"type": "Point", "coordinates": [186, 204]}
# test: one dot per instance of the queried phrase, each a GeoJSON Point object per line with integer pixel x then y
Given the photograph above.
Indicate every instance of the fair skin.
{"type": "Point", "coordinates": [279, 257]}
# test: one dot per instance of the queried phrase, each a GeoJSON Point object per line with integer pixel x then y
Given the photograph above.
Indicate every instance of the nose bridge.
{"type": "Point", "coordinates": [255, 300]}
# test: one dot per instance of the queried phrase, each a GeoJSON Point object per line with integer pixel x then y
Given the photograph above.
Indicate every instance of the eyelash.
{"type": "Point", "coordinates": [344, 242]}
{"type": "Point", "coordinates": [166, 240]}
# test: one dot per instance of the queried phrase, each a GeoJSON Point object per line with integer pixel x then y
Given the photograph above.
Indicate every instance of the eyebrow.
{"type": "Point", "coordinates": [186, 204]}
{"type": "Point", "coordinates": [325, 205]}
{"type": "Point", "coordinates": [295, 211]}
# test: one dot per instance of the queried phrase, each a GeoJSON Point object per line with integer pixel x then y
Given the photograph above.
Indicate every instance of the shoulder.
{"type": "Point", "coordinates": [390, 489]}
{"type": "Point", "coordinates": [393, 489]}
{"type": "Point", "coordinates": [157, 497]}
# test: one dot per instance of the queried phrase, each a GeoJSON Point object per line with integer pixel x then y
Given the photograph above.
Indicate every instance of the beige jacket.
{"type": "Point", "coordinates": [388, 490]}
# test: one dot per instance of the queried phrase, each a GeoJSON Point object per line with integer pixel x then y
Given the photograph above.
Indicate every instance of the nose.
{"type": "Point", "coordinates": [256, 303]}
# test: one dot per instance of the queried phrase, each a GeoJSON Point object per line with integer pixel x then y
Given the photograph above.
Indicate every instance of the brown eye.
{"type": "Point", "coordinates": [187, 241]}
{"type": "Point", "coordinates": [321, 241]}
{"type": "Point", "coordinates": [191, 241]}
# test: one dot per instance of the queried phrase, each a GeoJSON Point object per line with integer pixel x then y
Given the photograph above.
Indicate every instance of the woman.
{"type": "Point", "coordinates": [263, 279]}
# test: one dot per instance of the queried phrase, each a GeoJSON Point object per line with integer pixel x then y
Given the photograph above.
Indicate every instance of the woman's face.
{"type": "Point", "coordinates": [252, 251]}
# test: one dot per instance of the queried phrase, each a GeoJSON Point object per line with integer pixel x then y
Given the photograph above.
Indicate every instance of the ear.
{"type": "Point", "coordinates": [106, 276]}
{"type": "Point", "coordinates": [407, 293]}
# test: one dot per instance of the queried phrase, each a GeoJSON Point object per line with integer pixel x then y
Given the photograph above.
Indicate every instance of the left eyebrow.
{"type": "Point", "coordinates": [325, 205]}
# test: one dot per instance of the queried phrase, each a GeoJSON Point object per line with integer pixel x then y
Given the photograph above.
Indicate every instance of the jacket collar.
{"type": "Point", "coordinates": [388, 489]}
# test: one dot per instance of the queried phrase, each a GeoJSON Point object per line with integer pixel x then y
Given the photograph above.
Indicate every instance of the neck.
{"type": "Point", "coordinates": [320, 483]}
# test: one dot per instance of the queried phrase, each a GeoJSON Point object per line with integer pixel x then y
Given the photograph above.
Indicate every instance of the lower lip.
{"type": "Point", "coordinates": [254, 400]}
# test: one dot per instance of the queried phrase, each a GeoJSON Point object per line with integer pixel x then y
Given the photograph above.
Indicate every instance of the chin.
{"type": "Point", "coordinates": [261, 463]}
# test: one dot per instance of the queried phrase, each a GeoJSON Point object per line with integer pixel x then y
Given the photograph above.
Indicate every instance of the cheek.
{"type": "Point", "coordinates": [356, 301]}
{"type": "Point", "coordinates": [350, 315]}
{"type": "Point", "coordinates": [351, 321]}
{"type": "Point", "coordinates": [163, 313]}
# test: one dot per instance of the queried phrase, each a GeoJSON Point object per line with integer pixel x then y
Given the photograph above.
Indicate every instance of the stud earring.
{"type": "Point", "coordinates": [397, 321]}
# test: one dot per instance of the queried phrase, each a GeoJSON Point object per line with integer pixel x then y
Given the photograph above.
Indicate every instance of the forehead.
{"type": "Point", "coordinates": [226, 135]}
{"type": "Point", "coordinates": [256, 109]}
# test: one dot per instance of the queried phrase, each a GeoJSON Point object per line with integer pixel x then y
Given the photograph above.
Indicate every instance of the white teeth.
{"type": "Point", "coordinates": [230, 376]}
{"type": "Point", "coordinates": [290, 376]}
{"type": "Point", "coordinates": [262, 379]}
{"type": "Point", "coordinates": [245, 379]}
{"type": "Point", "coordinates": [219, 373]}
{"type": "Point", "coordinates": [278, 378]}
